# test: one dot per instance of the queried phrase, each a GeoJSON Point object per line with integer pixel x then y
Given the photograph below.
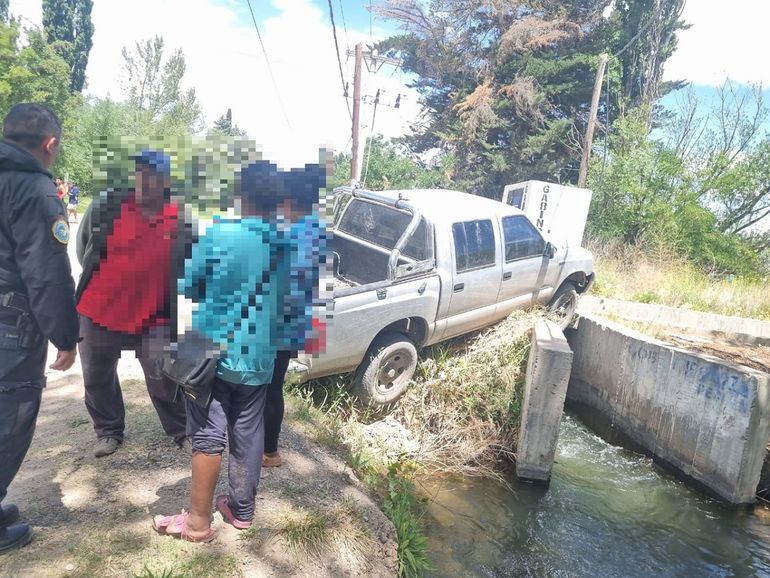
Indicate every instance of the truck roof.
{"type": "Point", "coordinates": [448, 205]}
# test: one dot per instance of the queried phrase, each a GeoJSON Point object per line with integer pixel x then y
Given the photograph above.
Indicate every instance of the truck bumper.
{"type": "Point", "coordinates": [296, 373]}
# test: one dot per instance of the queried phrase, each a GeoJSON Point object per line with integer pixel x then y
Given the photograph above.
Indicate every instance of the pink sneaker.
{"type": "Point", "coordinates": [228, 516]}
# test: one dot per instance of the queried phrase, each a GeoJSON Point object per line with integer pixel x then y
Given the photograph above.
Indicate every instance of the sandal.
{"type": "Point", "coordinates": [176, 527]}
{"type": "Point", "coordinates": [227, 514]}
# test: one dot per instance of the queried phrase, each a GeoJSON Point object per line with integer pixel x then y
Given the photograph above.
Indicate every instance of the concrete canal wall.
{"type": "Point", "coordinates": [548, 370]}
{"type": "Point", "coordinates": [738, 328]}
{"type": "Point", "coordinates": [708, 418]}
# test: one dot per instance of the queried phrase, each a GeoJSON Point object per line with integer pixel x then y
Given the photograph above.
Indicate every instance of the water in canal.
{"type": "Point", "coordinates": [608, 512]}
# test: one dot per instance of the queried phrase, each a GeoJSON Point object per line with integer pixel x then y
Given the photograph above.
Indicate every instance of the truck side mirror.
{"type": "Point", "coordinates": [550, 250]}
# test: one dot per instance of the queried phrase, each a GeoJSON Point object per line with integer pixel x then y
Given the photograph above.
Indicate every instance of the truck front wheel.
{"type": "Point", "coordinates": [386, 370]}
{"type": "Point", "coordinates": [562, 307]}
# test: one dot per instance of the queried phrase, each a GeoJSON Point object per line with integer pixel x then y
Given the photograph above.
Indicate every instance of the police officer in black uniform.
{"type": "Point", "coordinates": [37, 292]}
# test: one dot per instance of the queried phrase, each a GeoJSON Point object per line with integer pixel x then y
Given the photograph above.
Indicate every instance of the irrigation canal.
{"type": "Point", "coordinates": [608, 512]}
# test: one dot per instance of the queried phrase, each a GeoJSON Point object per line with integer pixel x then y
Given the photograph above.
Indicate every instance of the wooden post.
{"type": "Point", "coordinates": [355, 166]}
{"type": "Point", "coordinates": [592, 121]}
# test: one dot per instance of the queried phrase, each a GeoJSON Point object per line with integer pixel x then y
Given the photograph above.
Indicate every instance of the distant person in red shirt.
{"type": "Point", "coordinates": [61, 188]}
{"type": "Point", "coordinates": [130, 245]}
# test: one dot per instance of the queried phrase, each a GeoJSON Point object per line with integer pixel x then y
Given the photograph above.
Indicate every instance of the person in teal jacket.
{"type": "Point", "coordinates": [235, 276]}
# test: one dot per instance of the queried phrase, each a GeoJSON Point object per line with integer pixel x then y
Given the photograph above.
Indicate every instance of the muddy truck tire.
{"type": "Point", "coordinates": [387, 369]}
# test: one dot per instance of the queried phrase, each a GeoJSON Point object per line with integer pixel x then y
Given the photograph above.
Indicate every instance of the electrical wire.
{"type": "Point", "coordinates": [339, 60]}
{"type": "Point", "coordinates": [344, 25]}
{"type": "Point", "coordinates": [371, 36]}
{"type": "Point", "coordinates": [269, 67]}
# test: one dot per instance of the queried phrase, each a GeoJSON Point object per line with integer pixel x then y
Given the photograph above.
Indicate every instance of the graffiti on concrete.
{"type": "Point", "coordinates": [717, 384]}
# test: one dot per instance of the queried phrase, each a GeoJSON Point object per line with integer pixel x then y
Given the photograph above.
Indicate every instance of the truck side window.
{"type": "Point", "coordinates": [474, 244]}
{"type": "Point", "coordinates": [522, 240]}
{"type": "Point", "coordinates": [384, 226]}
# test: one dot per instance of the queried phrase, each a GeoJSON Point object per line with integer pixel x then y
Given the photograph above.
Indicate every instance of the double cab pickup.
{"type": "Point", "coordinates": [412, 268]}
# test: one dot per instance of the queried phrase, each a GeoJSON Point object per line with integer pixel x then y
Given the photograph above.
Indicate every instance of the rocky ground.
{"type": "Point", "coordinates": [92, 517]}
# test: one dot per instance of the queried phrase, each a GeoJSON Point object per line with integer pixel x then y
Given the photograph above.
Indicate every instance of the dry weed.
{"type": "Point", "coordinates": [650, 275]}
{"type": "Point", "coordinates": [463, 409]}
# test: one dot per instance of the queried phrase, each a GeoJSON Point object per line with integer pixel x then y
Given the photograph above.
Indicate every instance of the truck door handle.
{"type": "Point", "coordinates": [507, 275]}
{"type": "Point", "coordinates": [458, 287]}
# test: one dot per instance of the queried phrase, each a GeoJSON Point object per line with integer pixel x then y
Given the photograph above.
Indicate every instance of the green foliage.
{"type": "Point", "coordinates": [387, 165]}
{"type": "Point", "coordinates": [203, 170]}
{"type": "Point", "coordinates": [4, 11]}
{"type": "Point", "coordinates": [69, 30]}
{"type": "Point", "coordinates": [641, 64]}
{"type": "Point", "coordinates": [646, 193]}
{"type": "Point", "coordinates": [224, 126]}
{"type": "Point", "coordinates": [507, 86]}
{"type": "Point", "coordinates": [403, 508]}
{"type": "Point", "coordinates": [157, 102]}
{"type": "Point", "coordinates": [34, 73]}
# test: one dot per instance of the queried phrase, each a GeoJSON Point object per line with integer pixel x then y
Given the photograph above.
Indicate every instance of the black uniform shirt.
{"type": "Point", "coordinates": [33, 245]}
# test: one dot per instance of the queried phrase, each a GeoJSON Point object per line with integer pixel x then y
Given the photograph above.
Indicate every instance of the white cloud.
{"type": "Point", "coordinates": [226, 67]}
{"type": "Point", "coordinates": [725, 40]}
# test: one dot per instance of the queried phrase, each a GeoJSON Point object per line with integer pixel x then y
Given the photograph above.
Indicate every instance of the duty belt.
{"type": "Point", "coordinates": [17, 301]}
{"type": "Point", "coordinates": [28, 331]}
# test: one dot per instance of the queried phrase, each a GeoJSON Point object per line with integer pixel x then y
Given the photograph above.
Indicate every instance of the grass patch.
{"type": "Point", "coordinates": [338, 530]}
{"type": "Point", "coordinates": [405, 511]}
{"type": "Point", "coordinates": [305, 532]}
{"type": "Point", "coordinates": [635, 274]}
{"type": "Point", "coordinates": [112, 549]}
{"type": "Point", "coordinates": [190, 562]}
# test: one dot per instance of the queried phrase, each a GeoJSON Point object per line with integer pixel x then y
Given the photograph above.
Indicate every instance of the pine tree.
{"type": "Point", "coordinates": [224, 126]}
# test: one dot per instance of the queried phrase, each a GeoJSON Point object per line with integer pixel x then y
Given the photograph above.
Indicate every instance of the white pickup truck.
{"type": "Point", "coordinates": [415, 267]}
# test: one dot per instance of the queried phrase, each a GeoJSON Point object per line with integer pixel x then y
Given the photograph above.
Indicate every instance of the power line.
{"type": "Point", "coordinates": [269, 68]}
{"type": "Point", "coordinates": [344, 25]}
{"type": "Point", "coordinates": [339, 60]}
{"type": "Point", "coordinates": [371, 36]}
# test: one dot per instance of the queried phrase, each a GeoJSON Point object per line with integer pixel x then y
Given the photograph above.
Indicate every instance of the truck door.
{"type": "Point", "coordinates": [476, 273]}
{"type": "Point", "coordinates": [524, 264]}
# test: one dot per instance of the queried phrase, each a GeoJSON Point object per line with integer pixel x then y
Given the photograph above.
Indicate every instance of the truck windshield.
{"type": "Point", "coordinates": [383, 226]}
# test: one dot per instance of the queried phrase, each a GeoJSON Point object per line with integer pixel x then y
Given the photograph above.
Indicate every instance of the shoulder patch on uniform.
{"type": "Point", "coordinates": [61, 230]}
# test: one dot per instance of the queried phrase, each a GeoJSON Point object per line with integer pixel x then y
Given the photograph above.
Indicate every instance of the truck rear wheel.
{"type": "Point", "coordinates": [561, 309]}
{"type": "Point", "coordinates": [386, 370]}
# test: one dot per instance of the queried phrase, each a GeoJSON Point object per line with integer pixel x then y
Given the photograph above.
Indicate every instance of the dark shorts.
{"type": "Point", "coordinates": [235, 415]}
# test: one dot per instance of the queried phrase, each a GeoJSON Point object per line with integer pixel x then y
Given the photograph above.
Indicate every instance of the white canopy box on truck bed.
{"type": "Point", "coordinates": [558, 211]}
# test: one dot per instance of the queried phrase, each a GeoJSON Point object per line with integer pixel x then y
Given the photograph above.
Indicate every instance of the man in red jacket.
{"type": "Point", "coordinates": [129, 245]}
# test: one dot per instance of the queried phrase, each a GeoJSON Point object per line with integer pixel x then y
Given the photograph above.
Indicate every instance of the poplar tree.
{"type": "Point", "coordinates": [68, 28]}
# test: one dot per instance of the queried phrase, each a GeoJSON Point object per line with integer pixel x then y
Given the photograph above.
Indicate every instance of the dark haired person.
{"type": "Point", "coordinates": [234, 276]}
{"type": "Point", "coordinates": [37, 302]}
{"type": "Point", "coordinates": [303, 236]}
{"type": "Point", "coordinates": [130, 243]}
{"type": "Point", "coordinates": [61, 188]}
{"type": "Point", "coordinates": [72, 205]}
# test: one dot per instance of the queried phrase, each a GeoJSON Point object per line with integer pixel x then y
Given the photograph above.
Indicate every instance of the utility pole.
{"type": "Point", "coordinates": [374, 60]}
{"type": "Point", "coordinates": [592, 120]}
{"type": "Point", "coordinates": [355, 167]}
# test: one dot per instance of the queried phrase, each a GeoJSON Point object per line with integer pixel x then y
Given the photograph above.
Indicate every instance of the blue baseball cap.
{"type": "Point", "coordinates": [155, 159]}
